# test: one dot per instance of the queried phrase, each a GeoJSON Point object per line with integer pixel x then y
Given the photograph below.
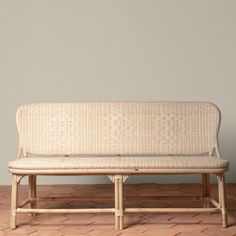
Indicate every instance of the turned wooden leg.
{"type": "Point", "coordinates": [222, 199]}
{"type": "Point", "coordinates": [14, 195]}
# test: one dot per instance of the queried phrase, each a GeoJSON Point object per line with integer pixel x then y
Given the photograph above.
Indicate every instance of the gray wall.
{"type": "Point", "coordinates": [107, 50]}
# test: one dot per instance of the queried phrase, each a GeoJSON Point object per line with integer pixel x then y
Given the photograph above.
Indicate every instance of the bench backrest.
{"type": "Point", "coordinates": [118, 128]}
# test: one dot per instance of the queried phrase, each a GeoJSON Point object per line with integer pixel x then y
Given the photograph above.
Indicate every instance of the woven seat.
{"type": "Point", "coordinates": [165, 162]}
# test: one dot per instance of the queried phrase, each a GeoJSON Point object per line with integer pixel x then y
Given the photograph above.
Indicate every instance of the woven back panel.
{"type": "Point", "coordinates": [118, 128]}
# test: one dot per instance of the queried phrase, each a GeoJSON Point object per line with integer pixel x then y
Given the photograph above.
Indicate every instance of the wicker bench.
{"type": "Point", "coordinates": [118, 139]}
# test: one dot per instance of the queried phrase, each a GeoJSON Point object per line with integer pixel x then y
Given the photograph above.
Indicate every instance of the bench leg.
{"type": "Point", "coordinates": [206, 190]}
{"type": "Point", "coordinates": [14, 195]}
{"type": "Point", "coordinates": [222, 199]}
{"type": "Point", "coordinates": [32, 191]}
{"type": "Point", "coordinates": [118, 202]}
{"type": "Point", "coordinates": [121, 203]}
{"type": "Point", "coordinates": [117, 223]}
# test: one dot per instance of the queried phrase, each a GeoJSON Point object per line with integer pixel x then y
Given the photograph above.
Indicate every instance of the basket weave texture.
{"type": "Point", "coordinates": [118, 128]}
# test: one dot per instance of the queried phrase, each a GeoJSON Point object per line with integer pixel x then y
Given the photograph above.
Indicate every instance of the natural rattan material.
{"type": "Point", "coordinates": [166, 162]}
{"type": "Point", "coordinates": [118, 128]}
{"type": "Point", "coordinates": [118, 139]}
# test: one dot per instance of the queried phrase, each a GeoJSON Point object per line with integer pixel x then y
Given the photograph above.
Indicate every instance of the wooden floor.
{"type": "Point", "coordinates": [181, 224]}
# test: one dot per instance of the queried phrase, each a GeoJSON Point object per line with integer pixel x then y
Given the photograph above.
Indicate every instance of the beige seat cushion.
{"type": "Point", "coordinates": [140, 162]}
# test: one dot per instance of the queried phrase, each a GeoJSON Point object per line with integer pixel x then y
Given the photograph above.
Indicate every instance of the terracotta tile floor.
{"type": "Point", "coordinates": [181, 224]}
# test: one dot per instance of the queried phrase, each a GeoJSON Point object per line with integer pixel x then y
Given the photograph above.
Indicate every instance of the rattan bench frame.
{"type": "Point", "coordinates": [118, 177]}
